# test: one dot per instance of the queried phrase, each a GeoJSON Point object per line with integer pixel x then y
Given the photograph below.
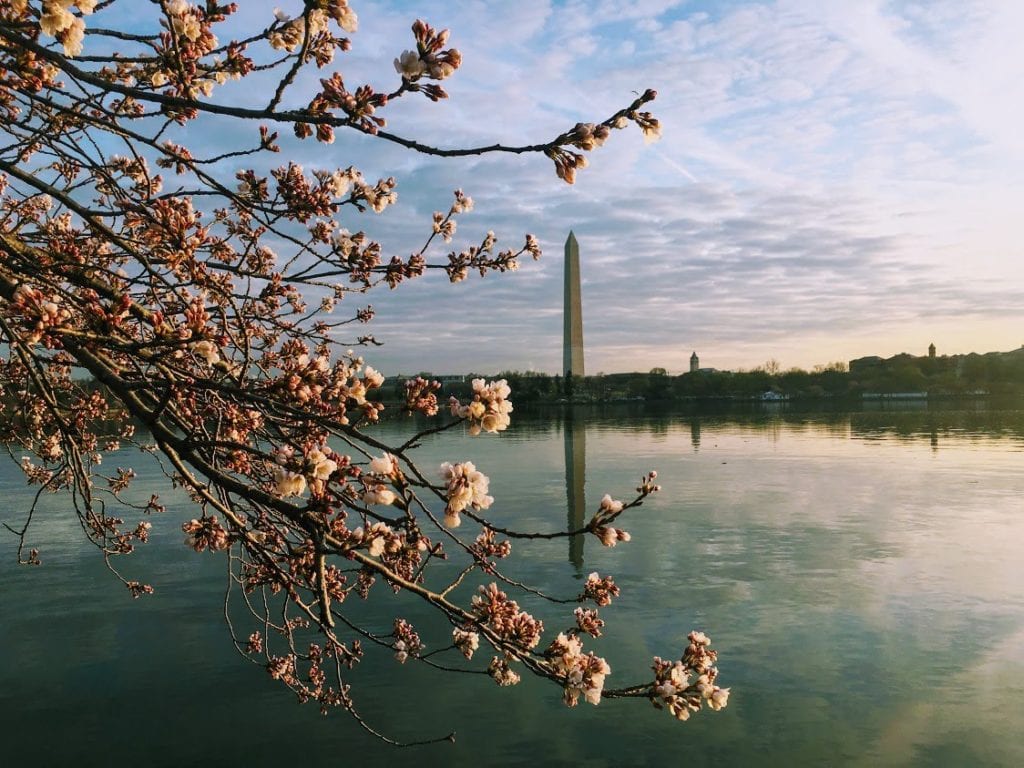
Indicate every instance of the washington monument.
{"type": "Point", "coordinates": [572, 349]}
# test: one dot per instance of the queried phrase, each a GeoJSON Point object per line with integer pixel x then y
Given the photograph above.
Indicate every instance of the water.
{"type": "Point", "coordinates": [861, 575]}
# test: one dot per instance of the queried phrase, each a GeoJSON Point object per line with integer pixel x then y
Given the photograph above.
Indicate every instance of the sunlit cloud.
{"type": "Point", "coordinates": [834, 179]}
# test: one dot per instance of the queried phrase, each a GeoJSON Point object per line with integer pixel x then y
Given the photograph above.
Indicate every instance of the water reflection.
{"type": "Point", "coordinates": [575, 437]}
{"type": "Point", "coordinates": [860, 572]}
{"type": "Point", "coordinates": [912, 422]}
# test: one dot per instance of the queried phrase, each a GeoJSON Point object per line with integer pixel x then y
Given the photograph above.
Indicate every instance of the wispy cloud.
{"type": "Point", "coordinates": [835, 179]}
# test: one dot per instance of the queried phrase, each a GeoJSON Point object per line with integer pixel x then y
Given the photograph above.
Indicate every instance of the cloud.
{"type": "Point", "coordinates": [667, 270]}
{"type": "Point", "coordinates": [834, 179]}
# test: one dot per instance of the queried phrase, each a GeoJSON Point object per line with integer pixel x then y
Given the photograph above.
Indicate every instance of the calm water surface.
{"type": "Point", "coordinates": [861, 574]}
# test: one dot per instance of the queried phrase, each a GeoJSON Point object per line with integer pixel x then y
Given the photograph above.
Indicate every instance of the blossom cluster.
{"type": "Point", "coordinates": [184, 19]}
{"type": "Point", "coordinates": [444, 226]}
{"type": "Point", "coordinates": [239, 424]}
{"type": "Point", "coordinates": [51, 449]}
{"type": "Point", "coordinates": [421, 396]}
{"type": "Point", "coordinates": [579, 672]}
{"type": "Point", "coordinates": [180, 65]}
{"type": "Point", "coordinates": [589, 136]}
{"type": "Point", "coordinates": [291, 32]}
{"type": "Point", "coordinates": [383, 471]}
{"type": "Point", "coordinates": [194, 39]}
{"type": "Point", "coordinates": [312, 469]}
{"type": "Point", "coordinates": [319, 194]}
{"type": "Point", "coordinates": [206, 533]}
{"type": "Point", "coordinates": [466, 640]}
{"type": "Point", "coordinates": [429, 60]}
{"type": "Point", "coordinates": [41, 313]}
{"type": "Point", "coordinates": [503, 615]}
{"type": "Point", "coordinates": [588, 620]}
{"type": "Point", "coordinates": [314, 382]}
{"type": "Point", "coordinates": [304, 674]}
{"type": "Point", "coordinates": [58, 21]}
{"type": "Point", "coordinates": [35, 474]}
{"type": "Point", "coordinates": [487, 546]}
{"type": "Point", "coordinates": [465, 487]}
{"type": "Point", "coordinates": [385, 466]}
{"type": "Point", "coordinates": [608, 510]}
{"type": "Point", "coordinates": [600, 589]}
{"type": "Point", "coordinates": [288, 483]}
{"type": "Point", "coordinates": [489, 409]}
{"type": "Point", "coordinates": [319, 467]}
{"type": "Point", "coordinates": [207, 351]}
{"type": "Point", "coordinates": [500, 670]}
{"type": "Point", "coordinates": [407, 641]}
{"type": "Point", "coordinates": [483, 259]}
{"type": "Point", "coordinates": [566, 163]}
{"type": "Point", "coordinates": [359, 107]}
{"type": "Point", "coordinates": [378, 539]}
{"type": "Point", "coordinates": [463, 202]}
{"type": "Point", "coordinates": [650, 126]}
{"type": "Point", "coordinates": [647, 485]}
{"type": "Point", "coordinates": [136, 588]}
{"type": "Point", "coordinates": [684, 686]}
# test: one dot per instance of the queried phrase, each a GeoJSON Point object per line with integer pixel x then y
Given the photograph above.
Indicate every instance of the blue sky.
{"type": "Point", "coordinates": [835, 179]}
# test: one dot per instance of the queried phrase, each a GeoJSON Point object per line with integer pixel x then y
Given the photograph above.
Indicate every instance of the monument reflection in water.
{"type": "Point", "coordinates": [575, 436]}
{"type": "Point", "coordinates": [573, 429]}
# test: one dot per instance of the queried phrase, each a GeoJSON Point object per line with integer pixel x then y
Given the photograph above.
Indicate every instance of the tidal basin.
{"type": "Point", "coordinates": [861, 574]}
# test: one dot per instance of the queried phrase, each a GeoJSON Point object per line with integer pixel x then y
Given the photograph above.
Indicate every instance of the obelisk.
{"type": "Point", "coordinates": [572, 350]}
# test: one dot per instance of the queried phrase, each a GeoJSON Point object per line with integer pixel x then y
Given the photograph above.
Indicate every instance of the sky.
{"type": "Point", "coordinates": [835, 178]}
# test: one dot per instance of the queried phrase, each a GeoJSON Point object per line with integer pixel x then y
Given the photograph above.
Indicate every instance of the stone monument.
{"type": "Point", "coordinates": [572, 350]}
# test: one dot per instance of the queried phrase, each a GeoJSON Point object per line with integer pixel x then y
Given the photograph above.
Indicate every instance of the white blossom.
{"type": "Point", "coordinates": [409, 65]}
{"type": "Point", "coordinates": [207, 350]}
{"type": "Point", "coordinates": [288, 483]}
{"type": "Point", "coordinates": [719, 699]}
{"type": "Point", "coordinates": [384, 465]}
{"type": "Point", "coordinates": [323, 467]}
{"type": "Point", "coordinates": [466, 486]}
{"type": "Point", "coordinates": [379, 494]}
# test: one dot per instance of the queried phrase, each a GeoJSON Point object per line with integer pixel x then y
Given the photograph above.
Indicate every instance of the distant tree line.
{"type": "Point", "coordinates": [996, 373]}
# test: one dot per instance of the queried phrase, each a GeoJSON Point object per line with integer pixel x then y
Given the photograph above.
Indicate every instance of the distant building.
{"type": "Point", "coordinates": [931, 350]}
{"type": "Point", "coordinates": [694, 363]}
{"type": "Point", "coordinates": [864, 363]}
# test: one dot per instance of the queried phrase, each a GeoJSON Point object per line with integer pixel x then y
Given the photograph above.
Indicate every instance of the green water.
{"type": "Point", "coordinates": [861, 574]}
